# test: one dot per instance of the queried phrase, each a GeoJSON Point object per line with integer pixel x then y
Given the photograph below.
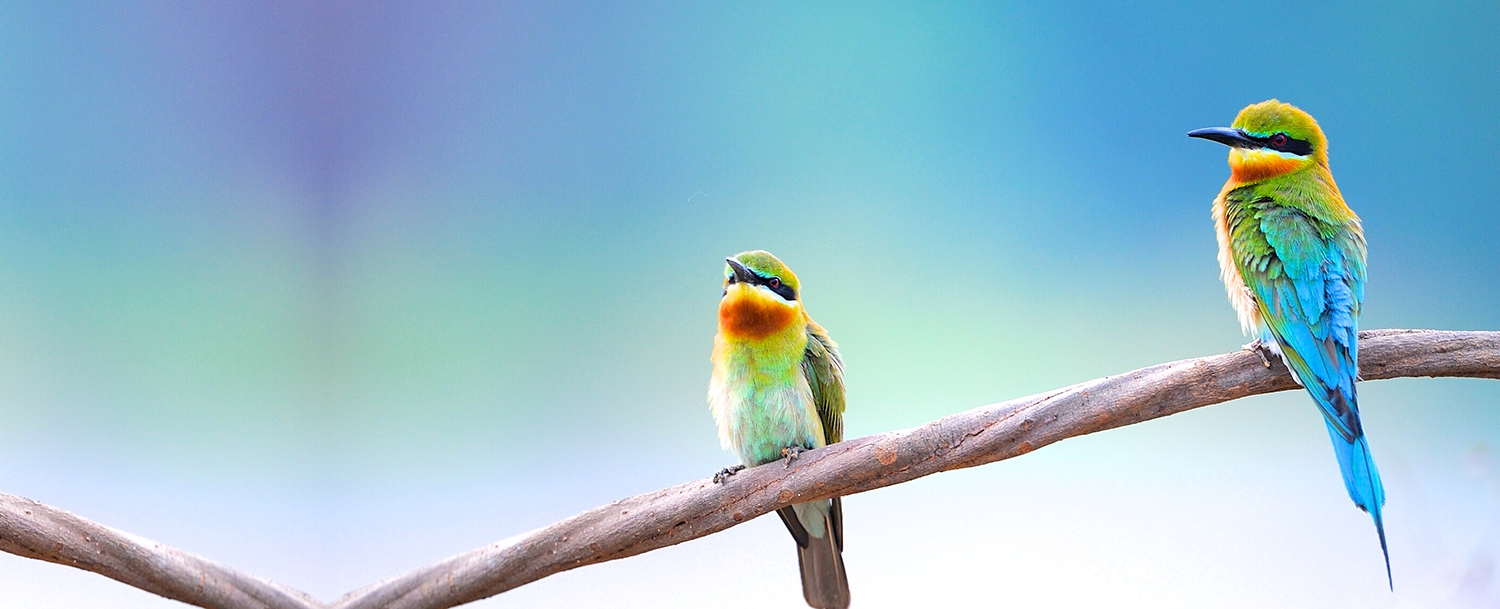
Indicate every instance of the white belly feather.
{"type": "Point", "coordinates": [758, 417]}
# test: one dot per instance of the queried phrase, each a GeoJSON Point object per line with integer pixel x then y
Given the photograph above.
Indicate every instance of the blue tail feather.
{"type": "Point", "coordinates": [1362, 481]}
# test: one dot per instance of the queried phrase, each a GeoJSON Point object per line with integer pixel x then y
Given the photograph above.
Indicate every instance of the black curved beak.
{"type": "Point", "coordinates": [1226, 136]}
{"type": "Point", "coordinates": [741, 274]}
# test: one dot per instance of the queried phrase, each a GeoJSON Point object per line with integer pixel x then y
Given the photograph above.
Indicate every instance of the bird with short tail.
{"type": "Point", "coordinates": [778, 389]}
{"type": "Point", "coordinates": [1292, 257]}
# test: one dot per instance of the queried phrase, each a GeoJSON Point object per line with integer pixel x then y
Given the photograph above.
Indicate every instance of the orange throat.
{"type": "Point", "coordinates": [751, 316]}
{"type": "Point", "coordinates": [1253, 166]}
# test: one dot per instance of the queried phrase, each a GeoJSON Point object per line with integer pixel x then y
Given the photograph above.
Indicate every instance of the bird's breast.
{"type": "Point", "coordinates": [1240, 296]}
{"type": "Point", "coordinates": [761, 405]}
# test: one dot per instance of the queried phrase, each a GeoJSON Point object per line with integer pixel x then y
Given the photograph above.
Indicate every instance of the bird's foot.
{"type": "Point", "coordinates": [1258, 348]}
{"type": "Point", "coordinates": [790, 453]}
{"type": "Point", "coordinates": [725, 473]}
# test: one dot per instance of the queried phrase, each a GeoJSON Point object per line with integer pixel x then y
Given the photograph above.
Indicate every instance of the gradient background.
{"type": "Point", "coordinates": [329, 291]}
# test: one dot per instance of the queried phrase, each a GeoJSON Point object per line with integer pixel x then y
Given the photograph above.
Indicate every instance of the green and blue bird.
{"type": "Point", "coordinates": [778, 389]}
{"type": "Point", "coordinates": [1292, 256]}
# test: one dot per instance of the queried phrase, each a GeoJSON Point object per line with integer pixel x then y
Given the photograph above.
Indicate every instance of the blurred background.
{"type": "Point", "coordinates": [327, 291]}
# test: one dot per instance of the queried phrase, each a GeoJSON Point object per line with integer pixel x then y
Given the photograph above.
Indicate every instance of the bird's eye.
{"type": "Point", "coordinates": [775, 282]}
{"type": "Point", "coordinates": [1279, 139]}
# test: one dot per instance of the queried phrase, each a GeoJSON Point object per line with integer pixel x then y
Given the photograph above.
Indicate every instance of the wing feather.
{"type": "Point", "coordinates": [824, 370]}
{"type": "Point", "coordinates": [1308, 279]}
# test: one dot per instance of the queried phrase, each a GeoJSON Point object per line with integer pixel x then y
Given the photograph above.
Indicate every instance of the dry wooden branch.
{"type": "Point", "coordinates": [674, 515]}
{"type": "Point", "coordinates": [983, 435]}
{"type": "Point", "coordinates": [29, 528]}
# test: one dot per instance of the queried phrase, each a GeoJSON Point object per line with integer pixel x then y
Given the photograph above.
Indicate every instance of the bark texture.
{"type": "Point", "coordinates": [34, 530]}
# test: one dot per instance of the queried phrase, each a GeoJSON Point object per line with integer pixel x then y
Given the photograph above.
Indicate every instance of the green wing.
{"type": "Point", "coordinates": [1308, 277]}
{"type": "Point", "coordinates": [825, 374]}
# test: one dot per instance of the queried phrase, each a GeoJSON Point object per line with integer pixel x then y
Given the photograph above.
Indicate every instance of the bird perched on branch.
{"type": "Point", "coordinates": [1292, 256]}
{"type": "Point", "coordinates": [778, 389]}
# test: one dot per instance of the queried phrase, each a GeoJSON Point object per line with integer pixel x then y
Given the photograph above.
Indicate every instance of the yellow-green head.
{"type": "Point", "coordinates": [761, 297]}
{"type": "Point", "coordinates": [1270, 139]}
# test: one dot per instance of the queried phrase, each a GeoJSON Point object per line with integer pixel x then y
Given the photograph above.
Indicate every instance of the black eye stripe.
{"type": "Point", "coordinates": [783, 290]}
{"type": "Point", "coordinates": [1292, 145]}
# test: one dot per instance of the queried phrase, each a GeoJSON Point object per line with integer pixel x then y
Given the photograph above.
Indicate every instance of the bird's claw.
{"type": "Point", "coordinates": [789, 453]}
{"type": "Point", "coordinates": [725, 473]}
{"type": "Point", "coordinates": [1256, 347]}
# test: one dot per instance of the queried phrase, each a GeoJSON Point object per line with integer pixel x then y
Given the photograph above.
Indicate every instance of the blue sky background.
{"type": "Point", "coordinates": [329, 291]}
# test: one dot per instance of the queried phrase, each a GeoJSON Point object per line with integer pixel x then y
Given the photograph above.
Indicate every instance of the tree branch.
{"type": "Point", "coordinates": [34, 530]}
{"type": "Point", "coordinates": [984, 435]}
{"type": "Point", "coordinates": [689, 511]}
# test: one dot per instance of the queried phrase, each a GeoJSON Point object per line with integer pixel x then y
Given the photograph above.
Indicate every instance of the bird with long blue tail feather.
{"type": "Point", "coordinates": [1292, 257]}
